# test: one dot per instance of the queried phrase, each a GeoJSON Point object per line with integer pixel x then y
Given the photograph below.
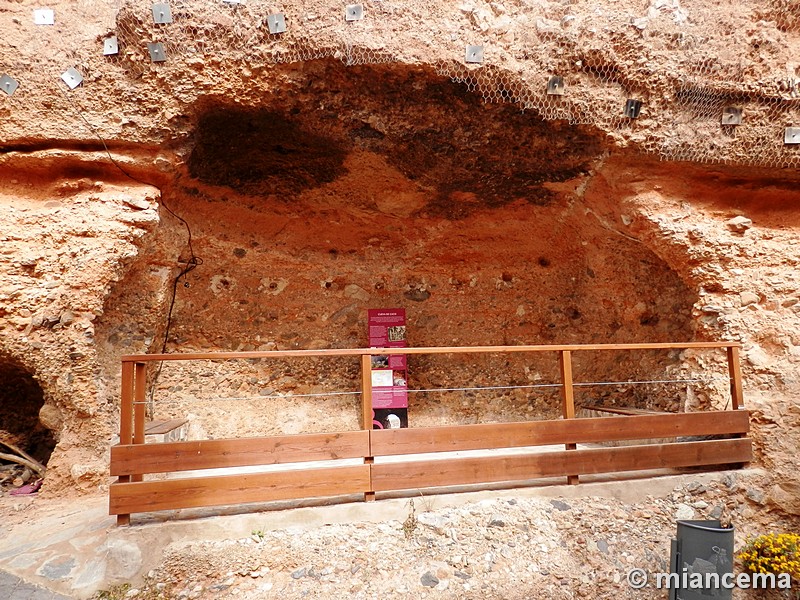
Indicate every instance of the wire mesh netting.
{"type": "Point", "coordinates": [717, 83]}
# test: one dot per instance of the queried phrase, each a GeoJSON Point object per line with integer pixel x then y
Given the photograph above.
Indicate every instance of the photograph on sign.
{"type": "Point", "coordinates": [380, 362]}
{"type": "Point", "coordinates": [396, 333]}
{"type": "Point", "coordinates": [390, 418]}
{"type": "Point", "coordinates": [382, 378]}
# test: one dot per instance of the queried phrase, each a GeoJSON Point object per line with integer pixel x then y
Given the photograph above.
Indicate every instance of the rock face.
{"type": "Point", "coordinates": [262, 191]}
{"type": "Point", "coordinates": [65, 242]}
{"type": "Point", "coordinates": [686, 64]}
{"type": "Point", "coordinates": [739, 224]}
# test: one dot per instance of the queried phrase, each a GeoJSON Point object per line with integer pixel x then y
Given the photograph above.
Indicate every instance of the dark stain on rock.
{"type": "Point", "coordinates": [262, 152]}
{"type": "Point", "coordinates": [465, 154]}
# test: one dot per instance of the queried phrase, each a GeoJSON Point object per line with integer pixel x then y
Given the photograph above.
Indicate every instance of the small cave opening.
{"type": "Point", "coordinates": [21, 403]}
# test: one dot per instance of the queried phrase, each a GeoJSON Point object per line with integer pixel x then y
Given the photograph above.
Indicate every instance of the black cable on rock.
{"type": "Point", "coordinates": [191, 264]}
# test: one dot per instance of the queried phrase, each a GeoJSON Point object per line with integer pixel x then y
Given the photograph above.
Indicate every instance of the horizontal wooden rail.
{"type": "Point", "coordinates": [467, 471]}
{"type": "Point", "coordinates": [425, 350]}
{"type": "Point", "coordinates": [132, 459]}
{"type": "Point", "coordinates": [138, 459]}
{"type": "Point", "coordinates": [195, 492]}
{"type": "Point", "coordinates": [388, 442]}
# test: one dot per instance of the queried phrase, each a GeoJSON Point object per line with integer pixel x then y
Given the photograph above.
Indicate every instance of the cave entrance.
{"type": "Point", "coordinates": [403, 190]}
{"type": "Point", "coordinates": [21, 400]}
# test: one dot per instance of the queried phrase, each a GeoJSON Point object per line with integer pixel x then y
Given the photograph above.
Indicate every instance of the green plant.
{"type": "Point", "coordinates": [772, 553]}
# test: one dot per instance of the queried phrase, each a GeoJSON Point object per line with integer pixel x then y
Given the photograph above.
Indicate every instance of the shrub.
{"type": "Point", "coordinates": [772, 553]}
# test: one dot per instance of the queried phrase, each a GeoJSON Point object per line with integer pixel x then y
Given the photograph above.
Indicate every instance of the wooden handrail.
{"type": "Point", "coordinates": [421, 350]}
{"type": "Point", "coordinates": [373, 477]}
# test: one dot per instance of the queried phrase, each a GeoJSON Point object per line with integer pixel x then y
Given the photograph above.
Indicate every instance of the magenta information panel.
{"type": "Point", "coordinates": [387, 329]}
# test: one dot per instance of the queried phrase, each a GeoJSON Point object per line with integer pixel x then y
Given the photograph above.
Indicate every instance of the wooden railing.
{"type": "Point", "coordinates": [131, 459]}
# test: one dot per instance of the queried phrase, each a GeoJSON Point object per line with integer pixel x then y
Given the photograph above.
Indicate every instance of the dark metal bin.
{"type": "Point", "coordinates": [701, 547]}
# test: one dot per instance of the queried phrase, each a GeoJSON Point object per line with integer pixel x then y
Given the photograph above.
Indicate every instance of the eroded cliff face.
{"type": "Point", "coordinates": [345, 166]}
{"type": "Point", "coordinates": [65, 241]}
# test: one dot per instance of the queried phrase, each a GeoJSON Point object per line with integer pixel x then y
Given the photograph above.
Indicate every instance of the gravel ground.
{"type": "Point", "coordinates": [501, 548]}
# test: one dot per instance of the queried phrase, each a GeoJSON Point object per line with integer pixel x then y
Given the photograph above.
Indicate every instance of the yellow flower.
{"type": "Point", "coordinates": [772, 553]}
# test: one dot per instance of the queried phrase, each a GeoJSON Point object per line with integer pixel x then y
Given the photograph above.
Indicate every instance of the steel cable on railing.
{"type": "Point", "coordinates": [460, 389]}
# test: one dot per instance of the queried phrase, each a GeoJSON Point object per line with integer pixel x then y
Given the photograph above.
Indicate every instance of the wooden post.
{"type": "Point", "coordinates": [366, 391]}
{"type": "Point", "coordinates": [139, 406]}
{"type": "Point", "coordinates": [567, 397]}
{"type": "Point", "coordinates": [366, 414]}
{"type": "Point", "coordinates": [139, 402]}
{"type": "Point", "coordinates": [735, 371]}
{"type": "Point", "coordinates": [126, 407]}
{"type": "Point", "coordinates": [126, 423]}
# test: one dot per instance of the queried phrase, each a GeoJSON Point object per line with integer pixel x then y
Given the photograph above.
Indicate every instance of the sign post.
{"type": "Point", "coordinates": [387, 329]}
